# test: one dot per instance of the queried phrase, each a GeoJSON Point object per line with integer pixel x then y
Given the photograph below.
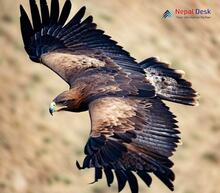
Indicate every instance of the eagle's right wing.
{"type": "Point", "coordinates": [130, 135]}
{"type": "Point", "coordinates": [68, 48]}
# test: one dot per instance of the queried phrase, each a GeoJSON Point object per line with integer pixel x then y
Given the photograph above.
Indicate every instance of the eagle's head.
{"type": "Point", "coordinates": [66, 101]}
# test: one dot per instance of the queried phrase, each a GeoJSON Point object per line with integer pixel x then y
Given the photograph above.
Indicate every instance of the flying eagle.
{"type": "Point", "coordinates": [133, 133]}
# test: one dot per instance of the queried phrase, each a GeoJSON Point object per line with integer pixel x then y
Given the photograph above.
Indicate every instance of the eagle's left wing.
{"type": "Point", "coordinates": [130, 135]}
{"type": "Point", "coordinates": [67, 47]}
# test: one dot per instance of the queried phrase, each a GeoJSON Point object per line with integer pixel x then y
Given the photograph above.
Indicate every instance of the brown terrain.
{"type": "Point", "coordinates": [38, 151]}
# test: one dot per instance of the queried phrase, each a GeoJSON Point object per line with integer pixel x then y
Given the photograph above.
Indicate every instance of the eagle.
{"type": "Point", "coordinates": [133, 133]}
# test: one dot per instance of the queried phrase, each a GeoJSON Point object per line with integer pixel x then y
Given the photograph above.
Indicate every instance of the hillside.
{"type": "Point", "coordinates": [38, 152]}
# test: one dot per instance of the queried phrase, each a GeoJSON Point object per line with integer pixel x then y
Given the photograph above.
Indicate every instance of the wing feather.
{"type": "Point", "coordinates": [132, 180]}
{"type": "Point", "coordinates": [35, 15]}
{"type": "Point", "coordinates": [121, 178]}
{"type": "Point", "coordinates": [145, 177]}
{"type": "Point", "coordinates": [44, 12]}
{"type": "Point", "coordinates": [26, 27]}
{"type": "Point", "coordinates": [73, 22]}
{"type": "Point", "coordinates": [54, 12]}
{"type": "Point", "coordinates": [65, 13]}
{"type": "Point", "coordinates": [109, 176]}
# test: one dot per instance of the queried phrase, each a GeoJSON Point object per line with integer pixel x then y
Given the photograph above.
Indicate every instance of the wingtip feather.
{"type": "Point", "coordinates": [21, 8]}
{"type": "Point", "coordinates": [54, 12]}
{"type": "Point", "coordinates": [65, 12]}
{"type": "Point", "coordinates": [22, 11]}
{"type": "Point", "coordinates": [36, 19]}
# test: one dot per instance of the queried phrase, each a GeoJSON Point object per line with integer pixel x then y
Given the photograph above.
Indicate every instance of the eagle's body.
{"type": "Point", "coordinates": [132, 129]}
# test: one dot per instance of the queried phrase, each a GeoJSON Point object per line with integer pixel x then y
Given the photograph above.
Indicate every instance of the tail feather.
{"type": "Point", "coordinates": [169, 83]}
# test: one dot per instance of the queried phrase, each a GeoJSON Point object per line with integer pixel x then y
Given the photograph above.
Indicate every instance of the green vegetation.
{"type": "Point", "coordinates": [47, 140]}
{"type": "Point", "coordinates": [106, 17]}
{"type": "Point", "coordinates": [59, 179]}
{"type": "Point", "coordinates": [211, 157]}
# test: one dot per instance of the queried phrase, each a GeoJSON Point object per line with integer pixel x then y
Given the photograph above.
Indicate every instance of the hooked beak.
{"type": "Point", "coordinates": [52, 108]}
{"type": "Point", "coordinates": [56, 107]}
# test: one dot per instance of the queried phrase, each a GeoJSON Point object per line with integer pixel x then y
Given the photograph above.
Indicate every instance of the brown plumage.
{"type": "Point", "coordinates": [132, 131]}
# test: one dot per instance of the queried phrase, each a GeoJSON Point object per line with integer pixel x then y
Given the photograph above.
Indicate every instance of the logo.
{"type": "Point", "coordinates": [167, 14]}
{"type": "Point", "coordinates": [188, 13]}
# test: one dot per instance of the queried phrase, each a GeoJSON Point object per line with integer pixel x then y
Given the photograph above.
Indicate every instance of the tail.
{"type": "Point", "coordinates": [169, 83]}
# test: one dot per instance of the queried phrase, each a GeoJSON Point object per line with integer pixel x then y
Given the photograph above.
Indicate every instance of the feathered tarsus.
{"type": "Point", "coordinates": [133, 132]}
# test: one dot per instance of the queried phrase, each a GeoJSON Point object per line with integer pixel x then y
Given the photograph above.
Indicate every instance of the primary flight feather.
{"type": "Point", "coordinates": [133, 133]}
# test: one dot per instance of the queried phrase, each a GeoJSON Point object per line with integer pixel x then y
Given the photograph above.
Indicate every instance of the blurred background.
{"type": "Point", "coordinates": [38, 151]}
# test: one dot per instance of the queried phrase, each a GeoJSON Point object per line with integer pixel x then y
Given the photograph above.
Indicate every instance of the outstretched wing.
{"type": "Point", "coordinates": [129, 136]}
{"type": "Point", "coordinates": [69, 47]}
